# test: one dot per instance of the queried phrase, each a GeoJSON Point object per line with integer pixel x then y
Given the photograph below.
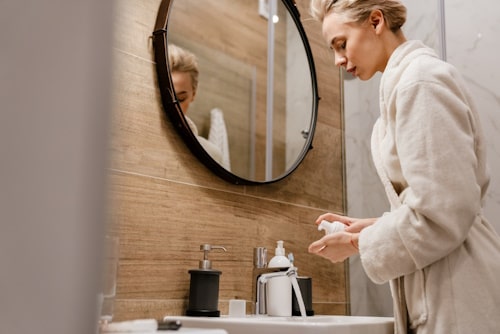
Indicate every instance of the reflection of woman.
{"type": "Point", "coordinates": [184, 72]}
{"type": "Point", "coordinates": [436, 248]}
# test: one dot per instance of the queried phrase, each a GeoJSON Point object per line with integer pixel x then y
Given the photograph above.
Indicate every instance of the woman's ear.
{"type": "Point", "coordinates": [376, 20]}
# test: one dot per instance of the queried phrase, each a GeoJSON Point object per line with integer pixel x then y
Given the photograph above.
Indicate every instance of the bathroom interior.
{"type": "Point", "coordinates": [159, 198]}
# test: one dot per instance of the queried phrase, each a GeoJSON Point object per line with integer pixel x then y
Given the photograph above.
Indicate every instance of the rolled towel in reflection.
{"type": "Point", "coordinates": [207, 145]}
{"type": "Point", "coordinates": [218, 135]}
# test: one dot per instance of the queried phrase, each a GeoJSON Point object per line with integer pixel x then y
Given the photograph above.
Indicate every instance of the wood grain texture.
{"type": "Point", "coordinates": [164, 203]}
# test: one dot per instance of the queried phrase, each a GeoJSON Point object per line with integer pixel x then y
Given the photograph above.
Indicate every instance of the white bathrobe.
{"type": "Point", "coordinates": [439, 253]}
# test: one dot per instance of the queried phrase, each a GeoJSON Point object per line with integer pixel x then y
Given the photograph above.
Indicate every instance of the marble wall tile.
{"type": "Point", "coordinates": [473, 46]}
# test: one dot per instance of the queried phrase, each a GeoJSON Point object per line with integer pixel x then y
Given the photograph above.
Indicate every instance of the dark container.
{"type": "Point", "coordinates": [305, 285]}
{"type": "Point", "coordinates": [204, 293]}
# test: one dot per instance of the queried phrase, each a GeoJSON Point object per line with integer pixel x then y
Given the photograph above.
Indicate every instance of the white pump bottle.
{"type": "Point", "coordinates": [279, 289]}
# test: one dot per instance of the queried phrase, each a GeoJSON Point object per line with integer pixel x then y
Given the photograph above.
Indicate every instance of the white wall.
{"type": "Point", "coordinates": [472, 46]}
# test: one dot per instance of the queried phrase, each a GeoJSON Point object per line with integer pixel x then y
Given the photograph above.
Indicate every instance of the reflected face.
{"type": "Point", "coordinates": [356, 46]}
{"type": "Point", "coordinates": [183, 89]}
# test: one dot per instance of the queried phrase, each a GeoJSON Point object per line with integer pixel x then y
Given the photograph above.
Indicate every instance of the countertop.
{"type": "Point", "coordinates": [196, 331]}
{"type": "Point", "coordinates": [149, 326]}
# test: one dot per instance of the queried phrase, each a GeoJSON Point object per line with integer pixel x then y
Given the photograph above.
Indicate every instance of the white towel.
{"type": "Point", "coordinates": [218, 135]}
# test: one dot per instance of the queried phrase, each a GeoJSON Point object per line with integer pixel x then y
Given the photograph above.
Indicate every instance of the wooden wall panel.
{"type": "Point", "coordinates": [164, 203]}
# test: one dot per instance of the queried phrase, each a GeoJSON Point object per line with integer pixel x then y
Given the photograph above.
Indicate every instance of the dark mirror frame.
{"type": "Point", "coordinates": [173, 111]}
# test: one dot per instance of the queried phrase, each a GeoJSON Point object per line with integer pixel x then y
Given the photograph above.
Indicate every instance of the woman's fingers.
{"type": "Point", "coordinates": [325, 216]}
{"type": "Point", "coordinates": [316, 246]}
{"type": "Point", "coordinates": [331, 217]}
{"type": "Point", "coordinates": [358, 225]}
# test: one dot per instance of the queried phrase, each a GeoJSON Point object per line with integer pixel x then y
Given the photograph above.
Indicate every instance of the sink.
{"type": "Point", "coordinates": [318, 324]}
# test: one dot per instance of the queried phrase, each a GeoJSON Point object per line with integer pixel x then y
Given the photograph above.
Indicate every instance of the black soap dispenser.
{"type": "Point", "coordinates": [204, 287]}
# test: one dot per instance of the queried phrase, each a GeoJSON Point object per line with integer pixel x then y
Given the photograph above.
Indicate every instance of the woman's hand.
{"type": "Point", "coordinates": [331, 217]}
{"type": "Point", "coordinates": [353, 225]}
{"type": "Point", "coordinates": [357, 225]}
{"type": "Point", "coordinates": [336, 247]}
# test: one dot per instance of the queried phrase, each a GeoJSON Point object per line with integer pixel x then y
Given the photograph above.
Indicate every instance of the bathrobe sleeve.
{"type": "Point", "coordinates": [434, 156]}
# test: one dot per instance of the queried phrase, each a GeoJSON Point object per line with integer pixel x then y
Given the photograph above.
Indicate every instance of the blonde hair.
{"type": "Point", "coordinates": [181, 60]}
{"type": "Point", "coordinates": [359, 10]}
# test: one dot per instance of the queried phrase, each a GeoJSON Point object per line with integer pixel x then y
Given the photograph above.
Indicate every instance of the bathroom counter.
{"type": "Point", "coordinates": [182, 330]}
{"type": "Point", "coordinates": [149, 326]}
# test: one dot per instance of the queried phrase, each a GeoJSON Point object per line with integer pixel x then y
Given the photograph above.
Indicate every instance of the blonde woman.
{"type": "Point", "coordinates": [184, 72]}
{"type": "Point", "coordinates": [435, 247]}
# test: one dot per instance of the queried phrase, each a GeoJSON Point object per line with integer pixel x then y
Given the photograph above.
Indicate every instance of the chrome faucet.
{"type": "Point", "coordinates": [260, 268]}
{"type": "Point", "coordinates": [261, 273]}
{"type": "Point", "coordinates": [260, 287]}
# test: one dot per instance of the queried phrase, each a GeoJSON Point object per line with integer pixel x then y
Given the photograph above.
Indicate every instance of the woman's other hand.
{"type": "Point", "coordinates": [331, 217]}
{"type": "Point", "coordinates": [357, 225]}
{"type": "Point", "coordinates": [353, 225]}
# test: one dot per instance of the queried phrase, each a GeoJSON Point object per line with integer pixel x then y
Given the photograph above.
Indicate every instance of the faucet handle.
{"type": "Point", "coordinates": [260, 257]}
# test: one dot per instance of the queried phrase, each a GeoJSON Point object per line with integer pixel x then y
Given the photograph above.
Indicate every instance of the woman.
{"type": "Point", "coordinates": [184, 72]}
{"type": "Point", "coordinates": [439, 253]}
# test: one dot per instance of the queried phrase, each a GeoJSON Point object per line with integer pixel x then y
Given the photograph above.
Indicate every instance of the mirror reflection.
{"type": "Point", "coordinates": [245, 83]}
{"type": "Point", "coordinates": [184, 72]}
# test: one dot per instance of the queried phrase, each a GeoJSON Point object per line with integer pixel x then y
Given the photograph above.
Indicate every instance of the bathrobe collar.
{"type": "Point", "coordinates": [400, 58]}
{"type": "Point", "coordinates": [404, 53]}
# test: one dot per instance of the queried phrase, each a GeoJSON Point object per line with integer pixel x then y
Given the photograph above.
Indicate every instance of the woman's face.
{"type": "Point", "coordinates": [183, 89]}
{"type": "Point", "coordinates": [356, 46]}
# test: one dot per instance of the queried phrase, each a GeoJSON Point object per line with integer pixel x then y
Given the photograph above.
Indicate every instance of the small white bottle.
{"type": "Point", "coordinates": [331, 227]}
{"type": "Point", "coordinates": [279, 289]}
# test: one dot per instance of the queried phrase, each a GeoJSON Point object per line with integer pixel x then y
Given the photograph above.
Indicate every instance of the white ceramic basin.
{"type": "Point", "coordinates": [319, 324]}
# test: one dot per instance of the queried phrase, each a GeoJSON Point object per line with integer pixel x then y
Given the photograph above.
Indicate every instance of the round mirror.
{"type": "Point", "coordinates": [237, 80]}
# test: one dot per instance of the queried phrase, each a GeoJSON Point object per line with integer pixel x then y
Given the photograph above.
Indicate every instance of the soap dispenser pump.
{"type": "Point", "coordinates": [204, 287]}
{"type": "Point", "coordinates": [279, 289]}
{"type": "Point", "coordinates": [279, 259]}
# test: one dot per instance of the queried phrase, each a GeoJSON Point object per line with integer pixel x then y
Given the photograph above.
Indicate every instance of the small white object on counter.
{"type": "Point", "coordinates": [331, 227]}
{"type": "Point", "coordinates": [237, 308]}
